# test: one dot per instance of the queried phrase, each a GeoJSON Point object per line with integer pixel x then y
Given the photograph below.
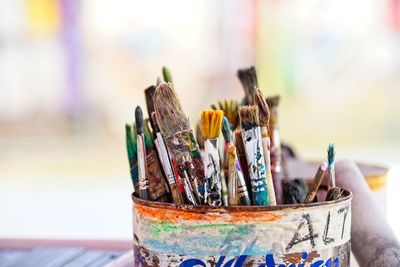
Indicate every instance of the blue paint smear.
{"type": "Point", "coordinates": [197, 247]}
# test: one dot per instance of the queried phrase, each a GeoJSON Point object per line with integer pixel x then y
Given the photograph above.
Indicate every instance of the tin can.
{"type": "Point", "coordinates": [316, 234]}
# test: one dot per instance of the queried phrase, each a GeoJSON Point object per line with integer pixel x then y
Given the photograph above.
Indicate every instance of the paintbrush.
{"type": "Point", "coordinates": [185, 172]}
{"type": "Point", "coordinates": [131, 145]}
{"type": "Point", "coordinates": [230, 108]}
{"type": "Point", "coordinates": [144, 192]}
{"type": "Point", "coordinates": [236, 182]}
{"type": "Point", "coordinates": [178, 137]}
{"type": "Point", "coordinates": [131, 151]}
{"type": "Point", "coordinates": [248, 79]}
{"type": "Point", "coordinates": [264, 115]}
{"type": "Point", "coordinates": [313, 190]}
{"type": "Point", "coordinates": [275, 147]}
{"type": "Point", "coordinates": [241, 153]}
{"type": "Point", "coordinates": [251, 132]}
{"type": "Point", "coordinates": [167, 76]}
{"type": "Point", "coordinates": [165, 163]}
{"type": "Point", "coordinates": [210, 127]}
{"type": "Point", "coordinates": [149, 94]}
{"type": "Point", "coordinates": [224, 190]}
{"type": "Point", "coordinates": [199, 136]}
{"type": "Point", "coordinates": [334, 192]}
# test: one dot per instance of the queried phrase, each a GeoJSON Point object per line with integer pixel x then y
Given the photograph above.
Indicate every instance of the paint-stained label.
{"type": "Point", "coordinates": [314, 236]}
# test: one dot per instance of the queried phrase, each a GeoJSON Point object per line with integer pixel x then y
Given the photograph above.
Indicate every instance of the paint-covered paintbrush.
{"type": "Point", "coordinates": [144, 192]}
{"type": "Point", "coordinates": [166, 164]}
{"type": "Point", "coordinates": [199, 136]}
{"type": "Point", "coordinates": [210, 127]}
{"type": "Point", "coordinates": [178, 137]}
{"type": "Point", "coordinates": [264, 115]}
{"type": "Point", "coordinates": [237, 188]}
{"type": "Point", "coordinates": [185, 174]}
{"type": "Point", "coordinates": [231, 109]}
{"type": "Point", "coordinates": [131, 145]}
{"type": "Point", "coordinates": [248, 79]}
{"type": "Point", "coordinates": [251, 133]}
{"type": "Point", "coordinates": [334, 192]}
{"type": "Point", "coordinates": [149, 94]}
{"type": "Point", "coordinates": [241, 153]}
{"type": "Point", "coordinates": [275, 147]}
{"type": "Point", "coordinates": [167, 75]}
{"type": "Point", "coordinates": [131, 151]}
{"type": "Point", "coordinates": [313, 190]}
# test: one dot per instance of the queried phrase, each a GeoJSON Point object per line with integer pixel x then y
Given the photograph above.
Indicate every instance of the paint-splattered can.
{"type": "Point", "coordinates": [316, 234]}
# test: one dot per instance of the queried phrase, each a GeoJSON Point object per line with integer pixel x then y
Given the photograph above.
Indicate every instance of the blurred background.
{"type": "Point", "coordinates": [72, 72]}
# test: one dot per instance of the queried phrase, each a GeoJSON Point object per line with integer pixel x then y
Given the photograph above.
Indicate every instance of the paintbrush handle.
{"type": "Point", "coordinates": [253, 146]}
{"type": "Point", "coordinates": [213, 192]}
{"type": "Point", "coordinates": [176, 194]}
{"type": "Point", "coordinates": [332, 179]}
{"type": "Point", "coordinates": [267, 159]}
{"type": "Point", "coordinates": [236, 182]}
{"type": "Point", "coordinates": [169, 173]}
{"type": "Point", "coordinates": [183, 148]}
{"type": "Point", "coordinates": [144, 192]}
{"type": "Point", "coordinates": [224, 191]}
{"type": "Point", "coordinates": [189, 189]}
{"type": "Point", "coordinates": [232, 175]}
{"type": "Point", "coordinates": [276, 167]}
{"type": "Point", "coordinates": [312, 192]}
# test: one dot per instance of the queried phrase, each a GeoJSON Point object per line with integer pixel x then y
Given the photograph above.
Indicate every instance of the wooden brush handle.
{"type": "Point", "coordinates": [176, 194]}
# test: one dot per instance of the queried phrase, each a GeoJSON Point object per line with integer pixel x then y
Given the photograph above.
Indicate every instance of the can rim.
{"type": "Point", "coordinates": [347, 196]}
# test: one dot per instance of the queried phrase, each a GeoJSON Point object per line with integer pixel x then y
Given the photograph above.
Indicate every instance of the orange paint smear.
{"type": "Point", "coordinates": [175, 216]}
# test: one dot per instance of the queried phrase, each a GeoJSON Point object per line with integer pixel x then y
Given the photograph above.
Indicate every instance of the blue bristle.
{"type": "Point", "coordinates": [331, 154]}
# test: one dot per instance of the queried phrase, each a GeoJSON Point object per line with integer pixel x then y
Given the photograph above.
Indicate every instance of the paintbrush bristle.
{"type": "Point", "coordinates": [130, 143]}
{"type": "Point", "coordinates": [249, 117]}
{"type": "Point", "coordinates": [239, 142]}
{"type": "Point", "coordinates": [226, 130]}
{"type": "Point", "coordinates": [248, 79]}
{"type": "Point", "coordinates": [170, 117]}
{"type": "Point", "coordinates": [331, 154]}
{"type": "Point", "coordinates": [273, 101]}
{"type": "Point", "coordinates": [139, 120]}
{"type": "Point", "coordinates": [149, 95]}
{"type": "Point", "coordinates": [199, 136]}
{"type": "Point", "coordinates": [211, 123]}
{"type": "Point", "coordinates": [167, 75]}
{"type": "Point", "coordinates": [334, 194]}
{"type": "Point", "coordinates": [230, 108]}
{"type": "Point", "coordinates": [263, 108]}
{"type": "Point", "coordinates": [156, 129]}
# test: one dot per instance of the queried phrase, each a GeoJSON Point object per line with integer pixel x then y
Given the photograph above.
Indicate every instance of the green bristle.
{"type": "Point", "coordinates": [226, 130]}
{"type": "Point", "coordinates": [131, 145]}
{"type": "Point", "coordinates": [131, 148]}
{"type": "Point", "coordinates": [167, 75]}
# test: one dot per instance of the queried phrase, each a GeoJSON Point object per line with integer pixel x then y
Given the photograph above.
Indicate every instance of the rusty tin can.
{"type": "Point", "coordinates": [316, 234]}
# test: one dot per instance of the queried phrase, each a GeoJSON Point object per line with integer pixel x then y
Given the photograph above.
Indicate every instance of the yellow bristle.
{"type": "Point", "coordinates": [211, 123]}
{"type": "Point", "coordinates": [203, 124]}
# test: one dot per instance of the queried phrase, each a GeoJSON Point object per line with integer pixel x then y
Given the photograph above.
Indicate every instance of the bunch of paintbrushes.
{"type": "Point", "coordinates": [247, 171]}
